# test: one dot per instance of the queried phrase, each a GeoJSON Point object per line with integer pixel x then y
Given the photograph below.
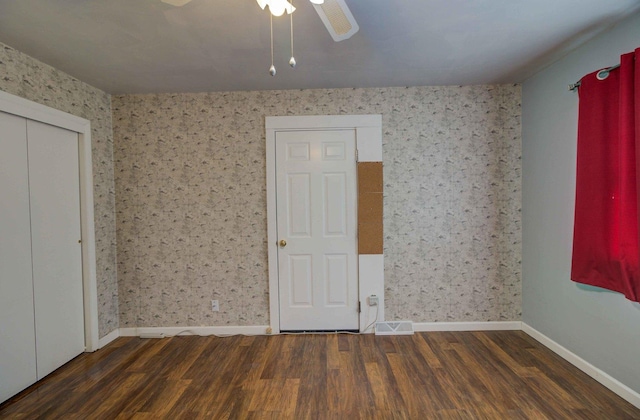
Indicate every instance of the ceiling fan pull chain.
{"type": "Point", "coordinates": [292, 61]}
{"type": "Point", "coordinates": [272, 69]}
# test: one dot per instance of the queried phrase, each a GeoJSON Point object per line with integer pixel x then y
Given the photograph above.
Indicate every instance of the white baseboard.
{"type": "Point", "coordinates": [604, 378]}
{"type": "Point", "coordinates": [467, 326]}
{"type": "Point", "coordinates": [108, 338]}
{"type": "Point", "coordinates": [171, 331]}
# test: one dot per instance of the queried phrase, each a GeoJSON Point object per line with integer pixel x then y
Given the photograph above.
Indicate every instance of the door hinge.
{"type": "Point", "coordinates": [359, 307]}
{"type": "Point", "coordinates": [356, 155]}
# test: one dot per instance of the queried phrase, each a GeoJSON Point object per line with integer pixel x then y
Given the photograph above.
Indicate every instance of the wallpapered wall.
{"type": "Point", "coordinates": [24, 76]}
{"type": "Point", "coordinates": [191, 201]}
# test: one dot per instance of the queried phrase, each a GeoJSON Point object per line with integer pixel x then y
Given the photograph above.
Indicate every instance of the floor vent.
{"type": "Point", "coordinates": [394, 328]}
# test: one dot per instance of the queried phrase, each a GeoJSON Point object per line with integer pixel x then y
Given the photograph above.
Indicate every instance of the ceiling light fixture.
{"type": "Point", "coordinates": [176, 3]}
{"type": "Point", "coordinates": [278, 8]}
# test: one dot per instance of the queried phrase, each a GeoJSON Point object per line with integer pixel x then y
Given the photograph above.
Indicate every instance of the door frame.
{"type": "Point", "coordinates": [368, 148]}
{"type": "Point", "coordinates": [24, 108]}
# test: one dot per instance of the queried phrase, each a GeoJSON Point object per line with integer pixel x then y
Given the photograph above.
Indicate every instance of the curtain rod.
{"type": "Point", "coordinates": [601, 75]}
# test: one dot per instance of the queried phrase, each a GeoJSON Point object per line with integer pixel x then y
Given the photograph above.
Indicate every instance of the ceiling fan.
{"type": "Point", "coordinates": [335, 14]}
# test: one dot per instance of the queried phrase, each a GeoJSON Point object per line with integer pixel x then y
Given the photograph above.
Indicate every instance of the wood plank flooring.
{"type": "Point", "coordinates": [440, 375]}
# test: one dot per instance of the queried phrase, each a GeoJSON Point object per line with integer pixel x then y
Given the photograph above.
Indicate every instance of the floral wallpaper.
{"type": "Point", "coordinates": [29, 78]}
{"type": "Point", "coordinates": [191, 201]}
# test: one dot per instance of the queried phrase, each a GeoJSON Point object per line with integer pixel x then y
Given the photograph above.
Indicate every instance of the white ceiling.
{"type": "Point", "coordinates": [142, 46]}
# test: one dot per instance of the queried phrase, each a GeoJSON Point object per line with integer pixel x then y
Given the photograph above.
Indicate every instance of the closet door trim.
{"type": "Point", "coordinates": [21, 107]}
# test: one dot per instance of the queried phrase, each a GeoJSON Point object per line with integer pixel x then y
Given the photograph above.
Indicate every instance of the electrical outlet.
{"type": "Point", "coordinates": [215, 306]}
{"type": "Point", "coordinates": [373, 300]}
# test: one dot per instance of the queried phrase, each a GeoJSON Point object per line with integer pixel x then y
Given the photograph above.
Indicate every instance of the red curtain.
{"type": "Point", "coordinates": [605, 238]}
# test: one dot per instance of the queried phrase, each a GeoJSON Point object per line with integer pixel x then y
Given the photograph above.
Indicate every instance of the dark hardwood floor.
{"type": "Point", "coordinates": [466, 375]}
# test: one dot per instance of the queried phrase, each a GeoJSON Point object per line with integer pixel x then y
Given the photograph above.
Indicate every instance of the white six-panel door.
{"type": "Point", "coordinates": [317, 231]}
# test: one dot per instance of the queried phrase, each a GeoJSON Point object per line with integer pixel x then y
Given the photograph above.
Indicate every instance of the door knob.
{"type": "Point", "coordinates": [283, 243]}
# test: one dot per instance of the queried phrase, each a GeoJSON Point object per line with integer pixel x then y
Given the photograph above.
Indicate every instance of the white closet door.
{"type": "Point", "coordinates": [17, 338]}
{"type": "Point", "coordinates": [54, 190]}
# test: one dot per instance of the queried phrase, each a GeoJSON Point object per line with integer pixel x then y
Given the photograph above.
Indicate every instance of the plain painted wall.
{"type": "Point", "coordinates": [601, 327]}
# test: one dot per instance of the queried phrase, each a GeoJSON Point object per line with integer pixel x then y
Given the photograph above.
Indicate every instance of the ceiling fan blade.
{"type": "Point", "coordinates": [176, 3]}
{"type": "Point", "coordinates": [338, 19]}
